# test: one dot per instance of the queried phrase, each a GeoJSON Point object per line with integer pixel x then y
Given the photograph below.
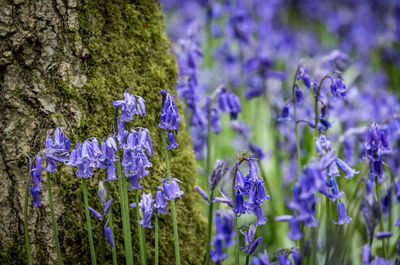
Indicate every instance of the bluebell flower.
{"type": "Point", "coordinates": [366, 254]}
{"type": "Point", "coordinates": [134, 181]}
{"type": "Point", "coordinates": [342, 214]}
{"type": "Point", "coordinates": [381, 235]}
{"type": "Point", "coordinates": [146, 206]}
{"type": "Point", "coordinates": [294, 231]}
{"type": "Point", "coordinates": [56, 150]}
{"type": "Point", "coordinates": [239, 204]}
{"type": "Point", "coordinates": [250, 243]}
{"type": "Point", "coordinates": [346, 169]}
{"type": "Point", "coordinates": [299, 96]}
{"type": "Point", "coordinates": [262, 259]}
{"type": "Point", "coordinates": [95, 213]}
{"type": "Point", "coordinates": [202, 193]}
{"type": "Point", "coordinates": [217, 253]}
{"type": "Point", "coordinates": [131, 105]}
{"type": "Point", "coordinates": [107, 232]}
{"type": "Point", "coordinates": [83, 157]}
{"type": "Point", "coordinates": [216, 126]}
{"type": "Point", "coordinates": [284, 115]}
{"type": "Point", "coordinates": [224, 235]}
{"type": "Point", "coordinates": [240, 25]}
{"type": "Point", "coordinates": [229, 102]}
{"type": "Point", "coordinates": [171, 189]}
{"type": "Point", "coordinates": [160, 203]}
{"type": "Point", "coordinates": [322, 144]}
{"type": "Point", "coordinates": [171, 141]}
{"type": "Point", "coordinates": [338, 88]}
{"type": "Point", "coordinates": [303, 75]}
{"type": "Point", "coordinates": [261, 220]}
{"type": "Point", "coordinates": [169, 115]}
{"type": "Point", "coordinates": [217, 173]}
{"type": "Point", "coordinates": [36, 173]}
{"type": "Point", "coordinates": [36, 199]}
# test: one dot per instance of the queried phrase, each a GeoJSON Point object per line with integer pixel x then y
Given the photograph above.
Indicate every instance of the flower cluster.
{"type": "Point", "coordinates": [169, 118]}
{"type": "Point", "coordinates": [131, 105]}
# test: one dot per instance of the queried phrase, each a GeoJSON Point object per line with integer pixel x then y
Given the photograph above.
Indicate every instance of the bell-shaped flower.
{"type": "Point", "coordinates": [342, 214]}
{"type": "Point", "coordinates": [350, 172]}
{"type": "Point", "coordinates": [171, 189]}
{"type": "Point", "coordinates": [160, 204]}
{"type": "Point", "coordinates": [169, 115]}
{"type": "Point", "coordinates": [108, 233]}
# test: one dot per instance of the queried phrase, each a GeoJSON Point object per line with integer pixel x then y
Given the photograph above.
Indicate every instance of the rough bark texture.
{"type": "Point", "coordinates": [61, 64]}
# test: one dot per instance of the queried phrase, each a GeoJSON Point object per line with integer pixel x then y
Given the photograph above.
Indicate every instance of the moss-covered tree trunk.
{"type": "Point", "coordinates": [61, 64]}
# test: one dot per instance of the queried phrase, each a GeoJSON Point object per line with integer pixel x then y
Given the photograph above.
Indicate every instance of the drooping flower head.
{"type": "Point", "coordinates": [130, 105]}
{"type": "Point", "coordinates": [146, 207]}
{"type": "Point", "coordinates": [84, 157]}
{"type": "Point", "coordinates": [169, 118]}
{"type": "Point", "coordinates": [171, 189]}
{"type": "Point", "coordinates": [169, 115]}
{"type": "Point", "coordinates": [56, 150]}
{"type": "Point", "coordinates": [229, 102]}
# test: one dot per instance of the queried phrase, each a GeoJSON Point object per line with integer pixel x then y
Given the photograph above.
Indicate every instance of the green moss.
{"type": "Point", "coordinates": [127, 48]}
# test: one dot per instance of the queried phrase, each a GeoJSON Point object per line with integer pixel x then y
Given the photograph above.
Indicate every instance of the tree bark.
{"type": "Point", "coordinates": [62, 62]}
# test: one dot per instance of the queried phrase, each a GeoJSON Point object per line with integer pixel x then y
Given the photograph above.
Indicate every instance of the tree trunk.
{"type": "Point", "coordinates": [62, 62]}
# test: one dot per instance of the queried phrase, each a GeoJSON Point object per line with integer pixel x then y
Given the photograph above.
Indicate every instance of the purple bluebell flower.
{"type": "Point", "coordinates": [381, 235]}
{"type": "Point", "coordinates": [217, 253]}
{"type": "Point", "coordinates": [171, 189]}
{"type": "Point", "coordinates": [229, 102]}
{"type": "Point", "coordinates": [146, 206]}
{"type": "Point", "coordinates": [322, 144]}
{"type": "Point", "coordinates": [338, 88]}
{"type": "Point", "coordinates": [130, 105]}
{"type": "Point", "coordinates": [224, 236]}
{"type": "Point", "coordinates": [36, 173]}
{"type": "Point", "coordinates": [160, 204]}
{"type": "Point", "coordinates": [107, 232]}
{"type": "Point", "coordinates": [303, 75]}
{"type": "Point", "coordinates": [239, 204]}
{"type": "Point", "coordinates": [169, 115]}
{"type": "Point", "coordinates": [240, 25]}
{"type": "Point", "coordinates": [366, 254]}
{"type": "Point", "coordinates": [250, 244]}
{"type": "Point", "coordinates": [108, 206]}
{"type": "Point", "coordinates": [95, 213]}
{"type": "Point", "coordinates": [134, 181]}
{"type": "Point", "coordinates": [36, 199]}
{"type": "Point", "coordinates": [342, 214]}
{"type": "Point", "coordinates": [299, 96]}
{"type": "Point", "coordinates": [262, 259]}
{"type": "Point", "coordinates": [346, 169]}
{"type": "Point", "coordinates": [261, 220]}
{"type": "Point", "coordinates": [284, 115]}
{"type": "Point", "coordinates": [171, 141]}
{"type": "Point", "coordinates": [217, 173]}
{"type": "Point", "coordinates": [397, 222]}
{"type": "Point", "coordinates": [83, 157]}
{"type": "Point", "coordinates": [294, 232]}
{"type": "Point", "coordinates": [202, 193]}
{"type": "Point", "coordinates": [56, 150]}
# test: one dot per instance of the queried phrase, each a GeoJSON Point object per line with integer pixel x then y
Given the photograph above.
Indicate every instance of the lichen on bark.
{"type": "Point", "coordinates": [83, 56]}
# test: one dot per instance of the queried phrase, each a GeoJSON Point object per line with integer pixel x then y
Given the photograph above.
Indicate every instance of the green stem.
{"type": "Point", "coordinates": [140, 232]}
{"type": "Point", "coordinates": [378, 195]}
{"type": "Point", "coordinates": [110, 221]}
{"type": "Point", "coordinates": [88, 224]}
{"type": "Point", "coordinates": [235, 224]}
{"type": "Point", "coordinates": [316, 117]}
{"type": "Point", "coordinates": [126, 227]}
{"type": "Point", "coordinates": [103, 245]}
{"type": "Point", "coordinates": [295, 121]}
{"type": "Point", "coordinates": [247, 259]}
{"type": "Point", "coordinates": [27, 243]}
{"type": "Point", "coordinates": [172, 203]}
{"type": "Point", "coordinates": [53, 219]}
{"type": "Point", "coordinates": [209, 230]}
{"type": "Point", "coordinates": [156, 240]}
